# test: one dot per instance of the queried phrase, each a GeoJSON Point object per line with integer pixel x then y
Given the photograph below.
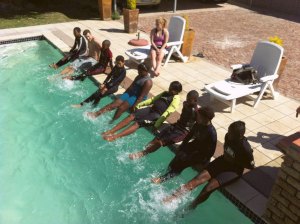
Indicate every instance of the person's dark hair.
{"type": "Point", "coordinates": [193, 94]}
{"type": "Point", "coordinates": [85, 32]}
{"type": "Point", "coordinates": [207, 112]}
{"type": "Point", "coordinates": [77, 29]}
{"type": "Point", "coordinates": [238, 128]}
{"type": "Point", "coordinates": [175, 85]}
{"type": "Point", "coordinates": [106, 42]}
{"type": "Point", "coordinates": [120, 58]}
{"type": "Point", "coordinates": [143, 67]}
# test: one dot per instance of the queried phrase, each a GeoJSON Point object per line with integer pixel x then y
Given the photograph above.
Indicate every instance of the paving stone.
{"type": "Point", "coordinates": [271, 116]}
{"type": "Point", "coordinates": [260, 175]}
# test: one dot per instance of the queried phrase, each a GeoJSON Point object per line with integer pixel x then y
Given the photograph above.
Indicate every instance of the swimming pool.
{"type": "Point", "coordinates": [55, 168]}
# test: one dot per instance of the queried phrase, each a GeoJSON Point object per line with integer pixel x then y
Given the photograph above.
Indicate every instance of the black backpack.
{"type": "Point", "coordinates": [245, 75]}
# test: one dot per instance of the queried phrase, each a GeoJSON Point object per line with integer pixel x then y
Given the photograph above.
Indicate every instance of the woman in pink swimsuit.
{"type": "Point", "coordinates": [159, 38]}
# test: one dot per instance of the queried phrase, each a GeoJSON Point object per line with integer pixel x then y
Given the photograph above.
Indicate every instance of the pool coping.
{"type": "Point", "coordinates": [62, 47]}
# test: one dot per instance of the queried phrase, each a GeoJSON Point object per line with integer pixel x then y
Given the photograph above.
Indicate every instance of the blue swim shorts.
{"type": "Point", "coordinates": [130, 98]}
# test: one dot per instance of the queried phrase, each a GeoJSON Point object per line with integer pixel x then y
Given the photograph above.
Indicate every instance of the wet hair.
{"type": "Point", "coordinates": [175, 85]}
{"type": "Point", "coordinates": [207, 112]}
{"type": "Point", "coordinates": [85, 32]}
{"type": "Point", "coordinates": [77, 29]}
{"type": "Point", "coordinates": [162, 21]}
{"type": "Point", "coordinates": [238, 128]}
{"type": "Point", "coordinates": [120, 58]}
{"type": "Point", "coordinates": [106, 42]}
{"type": "Point", "coordinates": [143, 67]}
{"type": "Point", "coordinates": [193, 94]}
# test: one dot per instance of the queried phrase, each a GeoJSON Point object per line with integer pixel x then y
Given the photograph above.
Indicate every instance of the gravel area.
{"type": "Point", "coordinates": [228, 37]}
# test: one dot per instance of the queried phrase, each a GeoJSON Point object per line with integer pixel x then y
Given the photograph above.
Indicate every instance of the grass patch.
{"type": "Point", "coordinates": [22, 15]}
{"type": "Point", "coordinates": [34, 19]}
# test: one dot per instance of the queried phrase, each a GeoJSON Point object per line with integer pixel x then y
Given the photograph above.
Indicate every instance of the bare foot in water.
{"type": "Point", "coordinates": [91, 115]}
{"type": "Point", "coordinates": [168, 199]}
{"type": "Point", "coordinates": [53, 66]}
{"type": "Point", "coordinates": [109, 138]}
{"type": "Point", "coordinates": [76, 105]}
{"type": "Point", "coordinates": [109, 132]}
{"type": "Point", "coordinates": [156, 180]}
{"type": "Point", "coordinates": [68, 77]}
{"type": "Point", "coordinates": [136, 155]}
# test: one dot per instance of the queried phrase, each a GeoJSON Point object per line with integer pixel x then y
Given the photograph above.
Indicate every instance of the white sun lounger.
{"type": "Point", "coordinates": [266, 60]}
{"type": "Point", "coordinates": [176, 31]}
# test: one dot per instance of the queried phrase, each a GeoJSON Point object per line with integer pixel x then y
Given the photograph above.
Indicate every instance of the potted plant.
{"type": "Point", "coordinates": [283, 62]}
{"type": "Point", "coordinates": [105, 9]}
{"type": "Point", "coordinates": [188, 38]}
{"type": "Point", "coordinates": [131, 17]}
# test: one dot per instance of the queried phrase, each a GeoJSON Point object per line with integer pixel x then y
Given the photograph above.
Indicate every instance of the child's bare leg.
{"type": "Point", "coordinates": [105, 109]}
{"type": "Point", "coordinates": [121, 109]}
{"type": "Point", "coordinates": [71, 71]}
{"type": "Point", "coordinates": [212, 185]}
{"type": "Point", "coordinates": [120, 125]}
{"type": "Point", "coordinates": [125, 132]}
{"type": "Point", "coordinates": [65, 70]}
{"type": "Point", "coordinates": [152, 146]}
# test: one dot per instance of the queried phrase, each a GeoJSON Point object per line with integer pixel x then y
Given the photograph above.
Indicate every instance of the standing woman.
{"type": "Point", "coordinates": [159, 37]}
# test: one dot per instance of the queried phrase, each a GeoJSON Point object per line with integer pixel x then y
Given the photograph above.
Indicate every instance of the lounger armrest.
{"type": "Point", "coordinates": [237, 66]}
{"type": "Point", "coordinates": [268, 78]}
{"type": "Point", "coordinates": [174, 43]}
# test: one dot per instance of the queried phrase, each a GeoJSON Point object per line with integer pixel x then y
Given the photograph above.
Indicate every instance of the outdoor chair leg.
{"type": "Point", "coordinates": [183, 58]}
{"type": "Point", "coordinates": [168, 56]}
{"type": "Point", "coordinates": [261, 93]}
{"type": "Point", "coordinates": [273, 92]}
{"type": "Point", "coordinates": [233, 103]}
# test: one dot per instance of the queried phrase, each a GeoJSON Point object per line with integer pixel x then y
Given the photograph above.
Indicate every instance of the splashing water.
{"type": "Point", "coordinates": [56, 168]}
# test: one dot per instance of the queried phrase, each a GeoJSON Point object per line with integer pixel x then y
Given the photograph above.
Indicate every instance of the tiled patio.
{"type": "Point", "coordinates": [266, 124]}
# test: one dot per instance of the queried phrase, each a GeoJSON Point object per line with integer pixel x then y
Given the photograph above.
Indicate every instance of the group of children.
{"type": "Point", "coordinates": [194, 127]}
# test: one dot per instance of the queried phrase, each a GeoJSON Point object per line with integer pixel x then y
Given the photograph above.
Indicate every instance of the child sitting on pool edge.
{"type": "Point", "coordinates": [79, 49]}
{"type": "Point", "coordinates": [163, 105]}
{"type": "Point", "coordinates": [104, 60]}
{"type": "Point", "coordinates": [135, 93]}
{"type": "Point", "coordinates": [110, 84]}
{"type": "Point", "coordinates": [174, 133]}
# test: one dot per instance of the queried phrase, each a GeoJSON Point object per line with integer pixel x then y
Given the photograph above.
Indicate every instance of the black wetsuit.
{"type": "Point", "coordinates": [74, 53]}
{"type": "Point", "coordinates": [237, 156]}
{"type": "Point", "coordinates": [149, 115]}
{"type": "Point", "coordinates": [112, 82]}
{"type": "Point", "coordinates": [197, 152]}
{"type": "Point", "coordinates": [178, 131]}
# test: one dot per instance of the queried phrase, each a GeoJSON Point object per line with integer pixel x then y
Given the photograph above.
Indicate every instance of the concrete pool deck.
{"type": "Point", "coordinates": [267, 124]}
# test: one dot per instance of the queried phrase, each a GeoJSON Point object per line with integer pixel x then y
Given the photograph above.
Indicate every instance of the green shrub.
{"type": "Point", "coordinates": [131, 4]}
{"type": "Point", "coordinates": [187, 22]}
{"type": "Point", "coordinates": [115, 15]}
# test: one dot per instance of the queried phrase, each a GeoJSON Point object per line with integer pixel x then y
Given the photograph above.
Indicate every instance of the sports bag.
{"type": "Point", "coordinates": [245, 75]}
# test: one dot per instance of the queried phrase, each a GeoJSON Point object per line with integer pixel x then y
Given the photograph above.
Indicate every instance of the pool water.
{"type": "Point", "coordinates": [55, 167]}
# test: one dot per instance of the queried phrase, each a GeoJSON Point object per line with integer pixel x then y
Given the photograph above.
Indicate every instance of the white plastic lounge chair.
{"type": "Point", "coordinates": [266, 60]}
{"type": "Point", "coordinates": [176, 31]}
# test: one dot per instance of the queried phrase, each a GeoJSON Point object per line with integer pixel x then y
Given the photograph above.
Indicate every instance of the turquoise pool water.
{"type": "Point", "coordinates": [55, 168]}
